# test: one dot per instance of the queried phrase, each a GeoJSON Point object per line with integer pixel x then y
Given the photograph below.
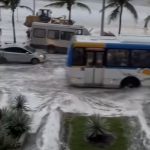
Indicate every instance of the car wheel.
{"type": "Point", "coordinates": [35, 61]}
{"type": "Point", "coordinates": [2, 60]}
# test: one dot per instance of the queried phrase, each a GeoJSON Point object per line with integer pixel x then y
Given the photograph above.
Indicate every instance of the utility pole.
{"type": "Point", "coordinates": [0, 15]}
{"type": "Point", "coordinates": [102, 18]}
{"type": "Point", "coordinates": [33, 7]}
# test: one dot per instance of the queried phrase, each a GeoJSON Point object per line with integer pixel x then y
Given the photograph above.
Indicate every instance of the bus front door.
{"type": "Point", "coordinates": [94, 68]}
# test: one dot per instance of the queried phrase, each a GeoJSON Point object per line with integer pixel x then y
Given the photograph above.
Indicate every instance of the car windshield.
{"type": "Point", "coordinates": [30, 49]}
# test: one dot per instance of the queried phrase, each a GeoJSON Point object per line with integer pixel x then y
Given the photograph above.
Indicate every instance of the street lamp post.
{"type": "Point", "coordinates": [102, 18]}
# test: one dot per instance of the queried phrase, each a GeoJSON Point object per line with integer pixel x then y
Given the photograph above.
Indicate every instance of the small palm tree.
{"type": "Point", "coordinates": [96, 126]}
{"type": "Point", "coordinates": [7, 142]}
{"type": "Point", "coordinates": [69, 4]}
{"type": "Point", "coordinates": [119, 5]}
{"type": "Point", "coordinates": [18, 124]}
{"type": "Point", "coordinates": [14, 122]}
{"type": "Point", "coordinates": [98, 131]}
{"type": "Point", "coordinates": [11, 4]}
{"type": "Point", "coordinates": [147, 19]}
{"type": "Point", "coordinates": [20, 103]}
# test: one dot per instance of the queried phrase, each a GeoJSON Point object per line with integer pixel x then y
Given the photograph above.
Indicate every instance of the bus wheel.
{"type": "Point", "coordinates": [51, 50]}
{"type": "Point", "coordinates": [130, 82]}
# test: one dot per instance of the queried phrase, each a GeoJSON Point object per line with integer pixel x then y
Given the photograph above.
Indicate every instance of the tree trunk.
{"type": "Point", "coordinates": [13, 25]}
{"type": "Point", "coordinates": [102, 18]}
{"type": "Point", "coordinates": [69, 17]}
{"type": "Point", "coordinates": [120, 20]}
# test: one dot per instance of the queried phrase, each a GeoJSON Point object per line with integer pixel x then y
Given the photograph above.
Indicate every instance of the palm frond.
{"type": "Point", "coordinates": [8, 143]}
{"type": "Point", "coordinates": [132, 9]}
{"type": "Point", "coordinates": [5, 7]}
{"type": "Point", "coordinates": [5, 2]}
{"type": "Point", "coordinates": [18, 124]}
{"type": "Point", "coordinates": [57, 4]}
{"type": "Point", "coordinates": [114, 14]}
{"type": "Point", "coordinates": [26, 7]}
{"type": "Point", "coordinates": [5, 113]}
{"type": "Point", "coordinates": [20, 103]}
{"type": "Point", "coordinates": [96, 125]}
{"type": "Point", "coordinates": [108, 6]}
{"type": "Point", "coordinates": [83, 6]}
{"type": "Point", "coordinates": [10, 3]}
{"type": "Point", "coordinates": [147, 19]}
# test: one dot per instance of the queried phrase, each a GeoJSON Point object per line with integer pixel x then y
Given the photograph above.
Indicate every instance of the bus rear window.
{"type": "Point", "coordinates": [78, 59]}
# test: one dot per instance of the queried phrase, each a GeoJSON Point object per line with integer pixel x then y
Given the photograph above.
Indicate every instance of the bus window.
{"type": "Point", "coordinates": [39, 33]}
{"type": "Point", "coordinates": [78, 59]}
{"type": "Point", "coordinates": [99, 59]}
{"type": "Point", "coordinates": [66, 35]}
{"type": "Point", "coordinates": [117, 58]}
{"type": "Point", "coordinates": [53, 34]}
{"type": "Point", "coordinates": [90, 59]}
{"type": "Point", "coordinates": [140, 58]}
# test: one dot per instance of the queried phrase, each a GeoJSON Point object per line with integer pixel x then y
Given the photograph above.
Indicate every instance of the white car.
{"type": "Point", "coordinates": [20, 53]}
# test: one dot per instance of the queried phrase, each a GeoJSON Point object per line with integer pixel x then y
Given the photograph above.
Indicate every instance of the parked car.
{"type": "Point", "coordinates": [20, 53]}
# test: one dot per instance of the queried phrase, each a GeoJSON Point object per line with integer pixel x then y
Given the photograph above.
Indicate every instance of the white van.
{"type": "Point", "coordinates": [54, 37]}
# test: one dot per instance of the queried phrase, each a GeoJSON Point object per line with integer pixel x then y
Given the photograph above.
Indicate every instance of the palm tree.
{"type": "Point", "coordinates": [20, 103]}
{"type": "Point", "coordinates": [69, 4]}
{"type": "Point", "coordinates": [97, 130]}
{"type": "Point", "coordinates": [117, 12]}
{"type": "Point", "coordinates": [96, 126]}
{"type": "Point", "coordinates": [147, 19]}
{"type": "Point", "coordinates": [12, 4]}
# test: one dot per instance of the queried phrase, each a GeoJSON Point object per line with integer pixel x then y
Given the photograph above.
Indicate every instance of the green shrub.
{"type": "Point", "coordinates": [18, 124]}
{"type": "Point", "coordinates": [7, 142]}
{"type": "Point", "coordinates": [14, 122]}
{"type": "Point", "coordinates": [20, 103]}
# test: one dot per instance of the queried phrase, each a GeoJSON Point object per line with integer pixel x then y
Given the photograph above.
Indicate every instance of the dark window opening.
{"type": "Point", "coordinates": [79, 57]}
{"type": "Point", "coordinates": [53, 34]}
{"type": "Point", "coordinates": [140, 58]}
{"type": "Point", "coordinates": [15, 50]}
{"type": "Point", "coordinates": [79, 32]}
{"type": "Point", "coordinates": [66, 35]}
{"type": "Point", "coordinates": [117, 58]}
{"type": "Point", "coordinates": [39, 33]}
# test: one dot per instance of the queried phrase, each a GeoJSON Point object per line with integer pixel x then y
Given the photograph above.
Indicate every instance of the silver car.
{"type": "Point", "coordinates": [22, 54]}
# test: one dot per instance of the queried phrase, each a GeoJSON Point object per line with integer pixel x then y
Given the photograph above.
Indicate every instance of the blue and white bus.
{"type": "Point", "coordinates": [109, 61]}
